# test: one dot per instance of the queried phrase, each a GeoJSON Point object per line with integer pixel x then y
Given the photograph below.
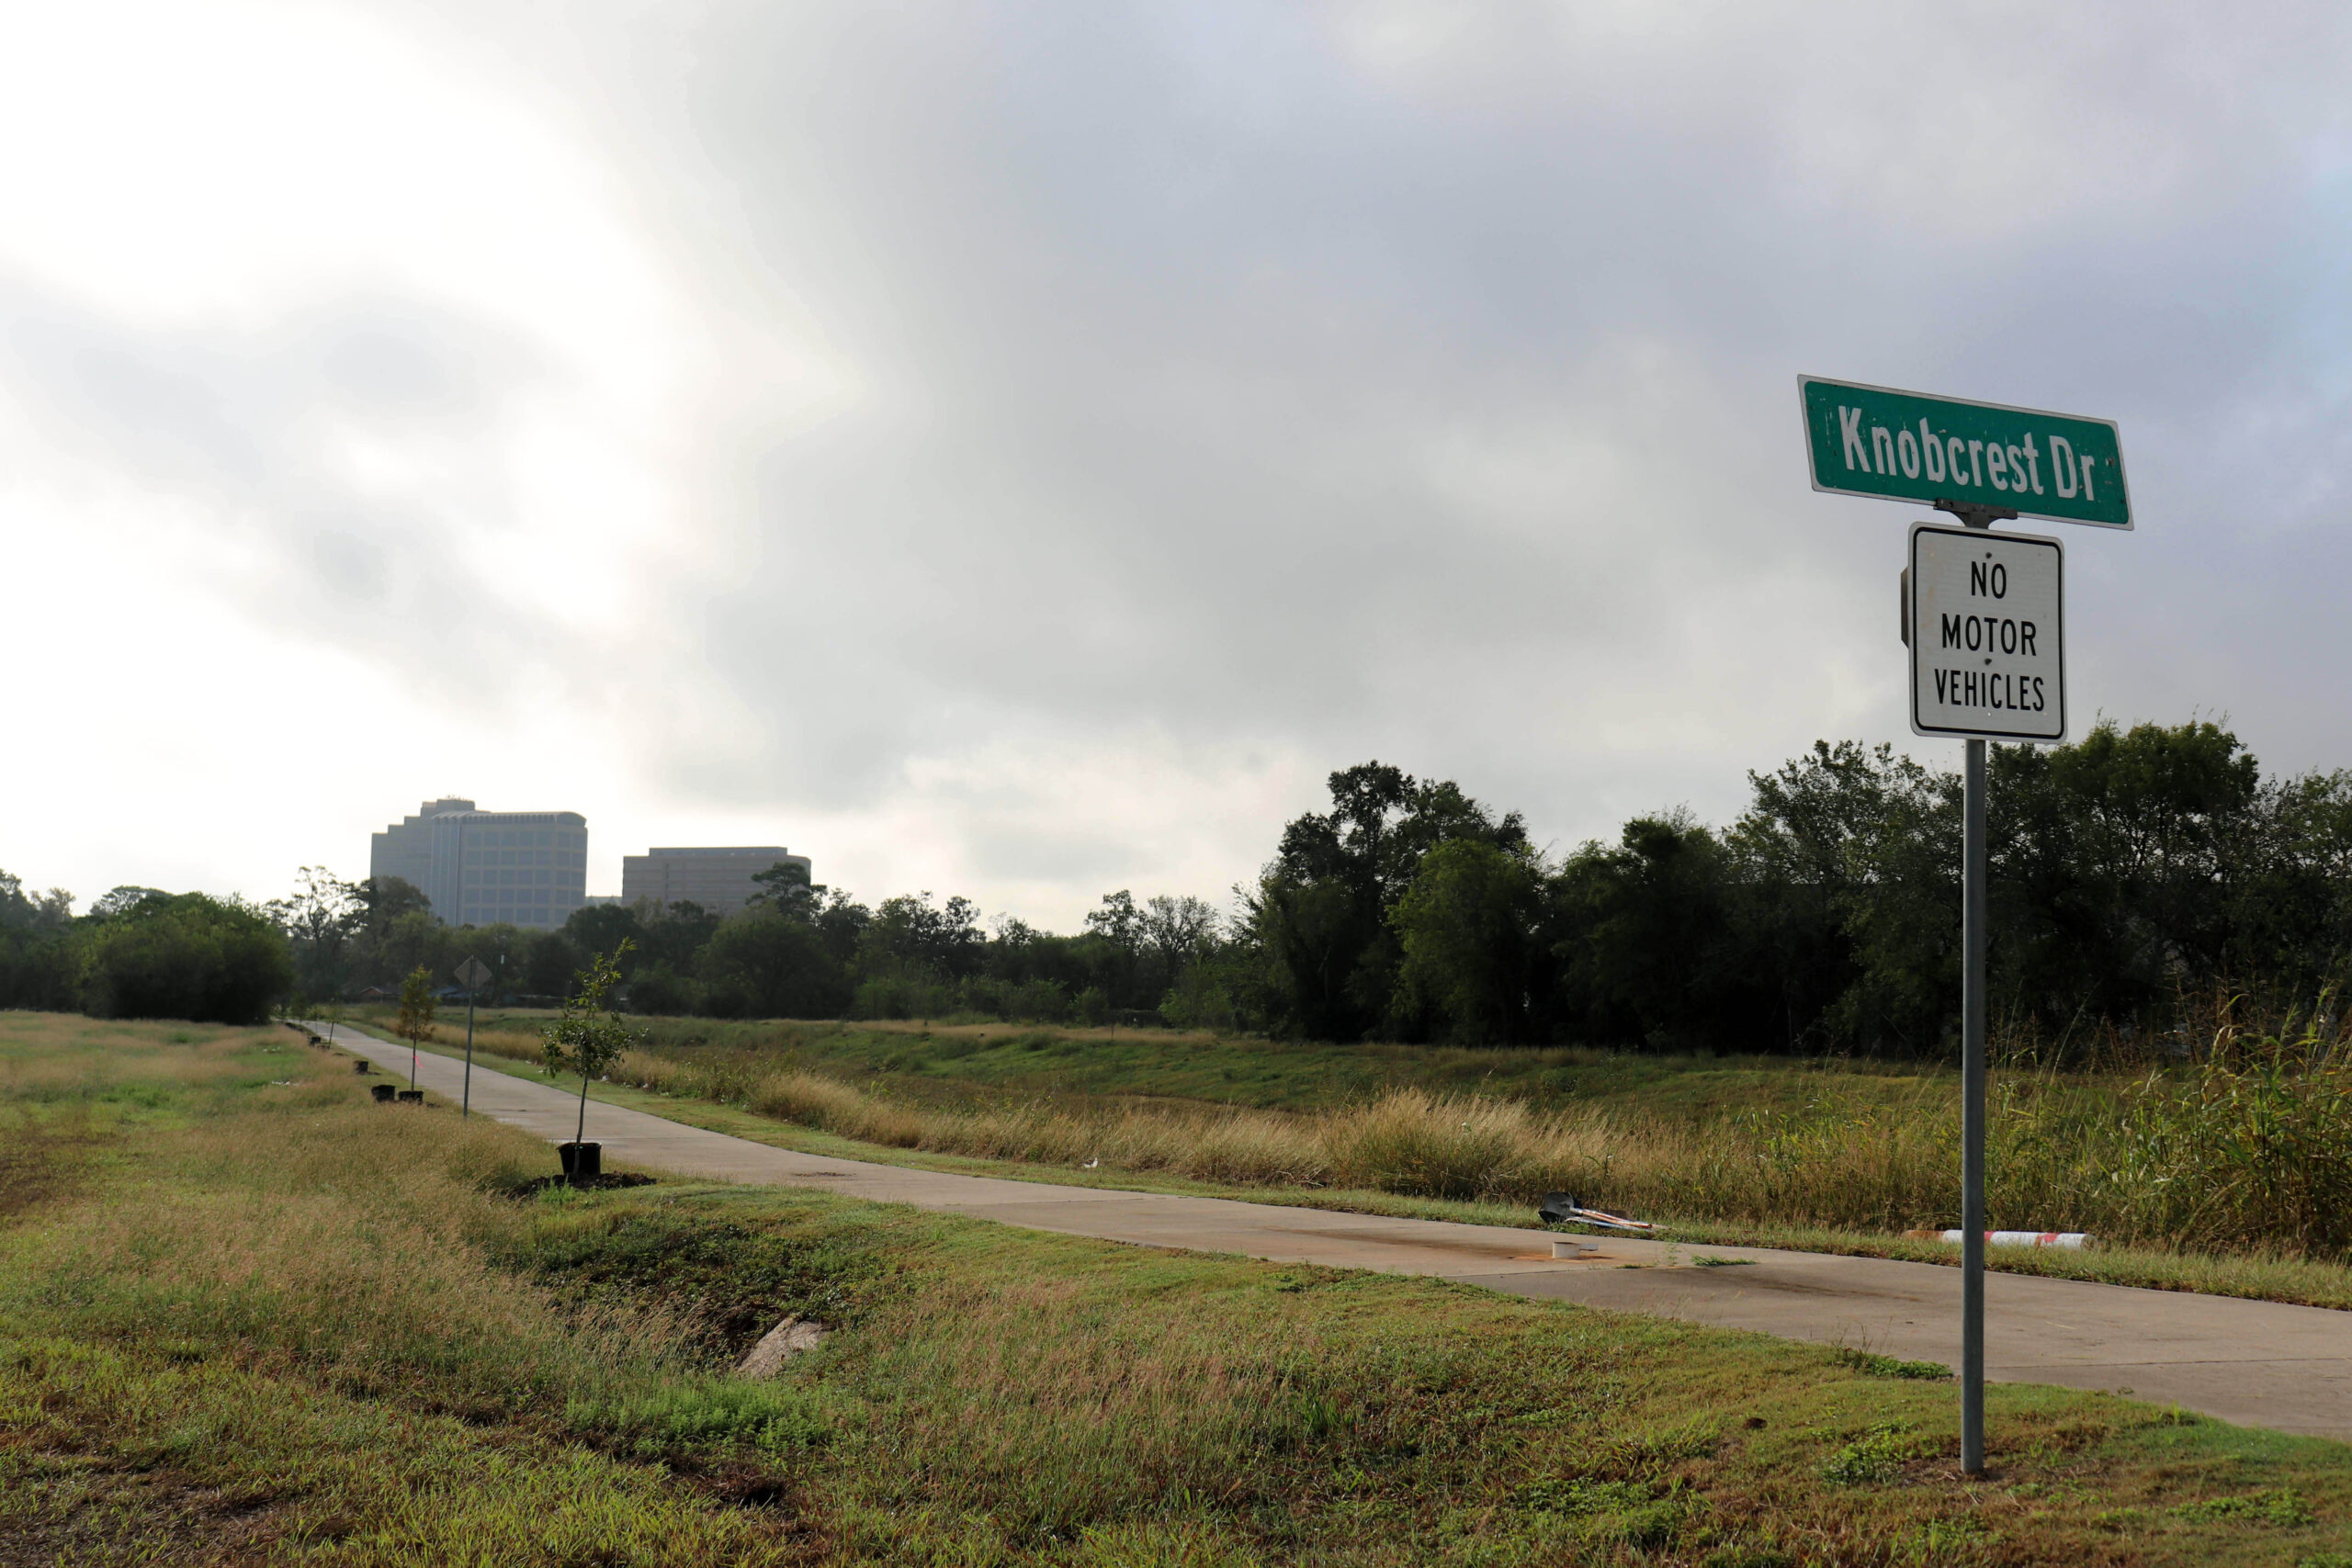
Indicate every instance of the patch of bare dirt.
{"type": "Point", "coordinates": [78, 1509]}
{"type": "Point", "coordinates": [42, 1161]}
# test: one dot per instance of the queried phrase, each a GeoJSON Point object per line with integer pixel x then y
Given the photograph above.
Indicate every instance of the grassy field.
{"type": "Point", "coordinates": [2232, 1175]}
{"type": "Point", "coordinates": [955, 1064]}
{"type": "Point", "coordinates": [246, 1315]}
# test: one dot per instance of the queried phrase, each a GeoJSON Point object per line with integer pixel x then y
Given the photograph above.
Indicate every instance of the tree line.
{"type": "Point", "coordinates": [2128, 869]}
{"type": "Point", "coordinates": [142, 953]}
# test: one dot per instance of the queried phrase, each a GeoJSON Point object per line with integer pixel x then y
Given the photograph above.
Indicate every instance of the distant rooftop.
{"type": "Point", "coordinates": [777, 850]}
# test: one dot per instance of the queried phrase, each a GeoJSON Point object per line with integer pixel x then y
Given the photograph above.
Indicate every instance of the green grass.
{"type": "Point", "coordinates": [248, 1319]}
{"type": "Point", "coordinates": [2257, 1275]}
{"type": "Point", "coordinates": [959, 1063]}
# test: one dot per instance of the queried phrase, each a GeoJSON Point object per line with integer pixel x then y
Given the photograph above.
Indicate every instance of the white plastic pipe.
{"type": "Point", "coordinates": [2026, 1238]}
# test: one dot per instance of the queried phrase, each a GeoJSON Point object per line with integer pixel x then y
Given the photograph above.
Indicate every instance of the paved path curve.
{"type": "Point", "coordinates": [2258, 1363]}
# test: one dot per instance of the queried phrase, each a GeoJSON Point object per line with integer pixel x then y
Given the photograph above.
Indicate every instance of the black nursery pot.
{"type": "Point", "coordinates": [382, 1091]}
{"type": "Point", "coordinates": [581, 1160]}
{"type": "Point", "coordinates": [411, 1097]}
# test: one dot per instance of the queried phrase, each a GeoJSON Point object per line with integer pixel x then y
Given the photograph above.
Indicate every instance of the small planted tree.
{"type": "Point", "coordinates": [415, 1020]}
{"type": "Point", "coordinates": [588, 1038]}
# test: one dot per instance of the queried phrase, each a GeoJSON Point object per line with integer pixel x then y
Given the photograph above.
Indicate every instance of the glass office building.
{"type": "Point", "coordinates": [479, 868]}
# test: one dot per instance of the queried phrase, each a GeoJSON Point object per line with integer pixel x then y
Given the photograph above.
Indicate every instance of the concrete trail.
{"type": "Point", "coordinates": [2256, 1363]}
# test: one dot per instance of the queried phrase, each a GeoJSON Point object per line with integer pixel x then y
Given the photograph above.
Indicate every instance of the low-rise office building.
{"type": "Point", "coordinates": [718, 879]}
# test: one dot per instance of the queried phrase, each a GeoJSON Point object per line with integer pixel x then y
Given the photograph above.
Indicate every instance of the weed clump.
{"type": "Point", "coordinates": [1875, 1457]}
{"type": "Point", "coordinates": [1880, 1366]}
{"type": "Point", "coordinates": [703, 1412]}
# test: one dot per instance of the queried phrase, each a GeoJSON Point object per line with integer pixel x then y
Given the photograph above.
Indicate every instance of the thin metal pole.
{"type": "Point", "coordinates": [466, 1106]}
{"type": "Point", "coordinates": [1971, 1120]}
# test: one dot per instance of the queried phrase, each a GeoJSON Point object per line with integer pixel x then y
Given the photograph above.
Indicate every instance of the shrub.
{"type": "Point", "coordinates": [184, 955]}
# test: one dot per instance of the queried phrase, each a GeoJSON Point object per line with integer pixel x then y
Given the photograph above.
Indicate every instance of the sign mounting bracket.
{"type": "Point", "coordinates": [1974, 513]}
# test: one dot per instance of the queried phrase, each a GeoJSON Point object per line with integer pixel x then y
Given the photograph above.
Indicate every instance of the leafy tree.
{"type": "Point", "coordinates": [15, 909]}
{"type": "Point", "coordinates": [1312, 934]}
{"type": "Point", "coordinates": [910, 936]}
{"type": "Point", "coordinates": [1799, 851]}
{"type": "Point", "coordinates": [387, 899]}
{"type": "Point", "coordinates": [1180, 930]}
{"type": "Point", "coordinates": [1118, 921]}
{"type": "Point", "coordinates": [2114, 865]}
{"type": "Point", "coordinates": [121, 901]}
{"type": "Point", "coordinates": [1320, 912]}
{"type": "Point", "coordinates": [677, 933]}
{"type": "Point", "coordinates": [1471, 927]}
{"type": "Point", "coordinates": [1651, 949]}
{"type": "Point", "coordinates": [841, 924]}
{"type": "Point", "coordinates": [602, 928]}
{"type": "Point", "coordinates": [784, 887]}
{"type": "Point", "coordinates": [37, 963]}
{"type": "Point", "coordinates": [544, 962]}
{"type": "Point", "coordinates": [1903, 919]}
{"type": "Point", "coordinates": [2130, 866]}
{"type": "Point", "coordinates": [19, 912]}
{"type": "Point", "coordinates": [658, 989]}
{"type": "Point", "coordinates": [2290, 888]}
{"type": "Point", "coordinates": [587, 1039]}
{"type": "Point", "coordinates": [182, 956]}
{"type": "Point", "coordinates": [415, 1020]}
{"type": "Point", "coordinates": [762, 964]}
{"type": "Point", "coordinates": [321, 918]}
{"type": "Point", "coordinates": [413, 941]}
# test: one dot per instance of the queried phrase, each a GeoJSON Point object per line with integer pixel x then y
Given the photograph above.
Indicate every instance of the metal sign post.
{"type": "Point", "coordinates": [473, 974]}
{"type": "Point", "coordinates": [1971, 1117]}
{"type": "Point", "coordinates": [1984, 617]}
{"type": "Point", "coordinates": [1985, 622]}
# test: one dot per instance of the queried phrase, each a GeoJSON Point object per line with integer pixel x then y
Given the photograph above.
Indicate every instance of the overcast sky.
{"type": "Point", "coordinates": [1020, 450]}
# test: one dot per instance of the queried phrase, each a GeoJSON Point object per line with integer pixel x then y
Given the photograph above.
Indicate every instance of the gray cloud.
{"type": "Point", "coordinates": [1250, 391]}
{"type": "Point", "coordinates": [1227, 379]}
{"type": "Point", "coordinates": [254, 424]}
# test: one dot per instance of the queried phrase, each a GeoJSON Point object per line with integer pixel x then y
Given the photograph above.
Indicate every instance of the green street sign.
{"type": "Point", "coordinates": [1909, 446]}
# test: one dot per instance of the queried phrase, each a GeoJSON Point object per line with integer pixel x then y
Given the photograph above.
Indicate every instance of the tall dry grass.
{"type": "Point", "coordinates": [302, 1325]}
{"type": "Point", "coordinates": [1836, 1166]}
{"type": "Point", "coordinates": [990, 1395]}
{"type": "Point", "coordinates": [2244, 1152]}
{"type": "Point", "coordinates": [2241, 1142]}
{"type": "Point", "coordinates": [323, 1242]}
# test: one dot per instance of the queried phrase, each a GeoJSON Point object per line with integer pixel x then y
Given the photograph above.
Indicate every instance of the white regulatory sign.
{"type": "Point", "coordinates": [1987, 632]}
